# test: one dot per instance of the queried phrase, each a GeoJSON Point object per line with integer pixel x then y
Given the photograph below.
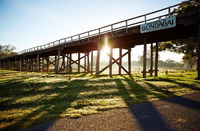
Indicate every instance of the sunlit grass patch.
{"type": "Point", "coordinates": [29, 99]}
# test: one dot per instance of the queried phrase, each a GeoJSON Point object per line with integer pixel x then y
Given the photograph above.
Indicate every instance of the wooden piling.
{"type": "Point", "coordinates": [79, 62]}
{"type": "Point", "coordinates": [57, 62]}
{"type": "Point", "coordinates": [85, 62]}
{"type": "Point", "coordinates": [144, 59]}
{"type": "Point", "coordinates": [156, 60]}
{"type": "Point", "coordinates": [129, 61]}
{"type": "Point", "coordinates": [43, 66]}
{"type": "Point", "coordinates": [151, 60]}
{"type": "Point", "coordinates": [47, 60]}
{"type": "Point", "coordinates": [110, 62]}
{"type": "Point", "coordinates": [91, 68]}
{"type": "Point", "coordinates": [63, 62]}
{"type": "Point", "coordinates": [37, 62]}
{"type": "Point", "coordinates": [88, 62]}
{"type": "Point", "coordinates": [98, 59]}
{"type": "Point", "coordinates": [70, 63]}
{"type": "Point", "coordinates": [120, 61]}
{"type": "Point", "coordinates": [20, 63]}
{"type": "Point", "coordinates": [198, 46]}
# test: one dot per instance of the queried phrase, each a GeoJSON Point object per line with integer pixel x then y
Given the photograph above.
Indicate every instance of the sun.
{"type": "Point", "coordinates": [105, 50]}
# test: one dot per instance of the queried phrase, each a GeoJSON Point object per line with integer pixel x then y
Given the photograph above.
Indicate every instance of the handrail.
{"type": "Point", "coordinates": [98, 31]}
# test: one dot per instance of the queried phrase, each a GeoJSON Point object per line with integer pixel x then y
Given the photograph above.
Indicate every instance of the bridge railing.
{"type": "Point", "coordinates": [125, 24]}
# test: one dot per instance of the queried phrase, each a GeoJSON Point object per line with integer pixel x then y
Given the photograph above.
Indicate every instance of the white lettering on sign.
{"type": "Point", "coordinates": [158, 25]}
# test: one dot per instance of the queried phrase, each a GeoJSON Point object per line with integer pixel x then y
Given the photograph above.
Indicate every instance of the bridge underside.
{"type": "Point", "coordinates": [62, 60]}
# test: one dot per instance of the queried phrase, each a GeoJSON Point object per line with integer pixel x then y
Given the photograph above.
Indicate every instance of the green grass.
{"type": "Point", "coordinates": [30, 99]}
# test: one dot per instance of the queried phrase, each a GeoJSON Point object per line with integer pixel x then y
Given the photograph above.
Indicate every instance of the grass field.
{"type": "Point", "coordinates": [27, 100]}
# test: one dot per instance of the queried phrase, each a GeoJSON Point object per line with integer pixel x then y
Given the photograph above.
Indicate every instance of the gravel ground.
{"type": "Point", "coordinates": [176, 113]}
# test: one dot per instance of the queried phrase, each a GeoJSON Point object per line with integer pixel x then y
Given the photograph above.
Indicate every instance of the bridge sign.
{"type": "Point", "coordinates": [158, 25]}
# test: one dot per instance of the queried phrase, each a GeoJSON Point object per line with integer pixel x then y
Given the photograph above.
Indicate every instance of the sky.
{"type": "Point", "coordinates": [28, 23]}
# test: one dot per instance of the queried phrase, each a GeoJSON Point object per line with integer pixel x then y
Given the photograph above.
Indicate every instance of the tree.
{"type": "Point", "coordinates": [188, 47]}
{"type": "Point", "coordinates": [7, 50]}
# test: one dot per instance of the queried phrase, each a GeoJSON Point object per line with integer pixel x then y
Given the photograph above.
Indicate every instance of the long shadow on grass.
{"type": "Point", "coordinates": [190, 86]}
{"type": "Point", "coordinates": [177, 99]}
{"type": "Point", "coordinates": [45, 109]}
{"type": "Point", "coordinates": [49, 108]}
{"type": "Point", "coordinates": [146, 114]}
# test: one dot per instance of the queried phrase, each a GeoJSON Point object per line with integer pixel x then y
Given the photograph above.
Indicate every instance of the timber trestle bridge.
{"type": "Point", "coordinates": [149, 28]}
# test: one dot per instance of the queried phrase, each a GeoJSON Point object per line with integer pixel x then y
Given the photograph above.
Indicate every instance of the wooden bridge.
{"type": "Point", "coordinates": [125, 34]}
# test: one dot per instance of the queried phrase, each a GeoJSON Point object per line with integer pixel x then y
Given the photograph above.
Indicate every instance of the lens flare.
{"type": "Point", "coordinates": [106, 50]}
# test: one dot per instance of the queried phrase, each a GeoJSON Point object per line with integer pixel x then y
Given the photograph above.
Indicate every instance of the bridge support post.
{"type": "Point", "coordinates": [79, 62]}
{"type": "Point", "coordinates": [198, 56]}
{"type": "Point", "coordinates": [91, 63]}
{"type": "Point", "coordinates": [70, 63]}
{"type": "Point", "coordinates": [88, 63]}
{"type": "Point", "coordinates": [27, 64]}
{"type": "Point", "coordinates": [198, 46]}
{"type": "Point", "coordinates": [20, 63]}
{"type": "Point", "coordinates": [120, 61]}
{"type": "Point", "coordinates": [24, 64]}
{"type": "Point", "coordinates": [156, 60]}
{"type": "Point", "coordinates": [47, 60]}
{"type": "Point", "coordinates": [129, 61]}
{"type": "Point", "coordinates": [57, 62]}
{"type": "Point", "coordinates": [32, 64]}
{"type": "Point", "coordinates": [151, 61]}
{"type": "Point", "coordinates": [85, 62]}
{"type": "Point", "coordinates": [37, 62]}
{"type": "Point", "coordinates": [43, 66]}
{"type": "Point", "coordinates": [15, 64]}
{"type": "Point", "coordinates": [98, 59]}
{"type": "Point", "coordinates": [67, 63]}
{"type": "Point", "coordinates": [63, 62]}
{"type": "Point", "coordinates": [8, 63]}
{"type": "Point", "coordinates": [144, 59]}
{"type": "Point", "coordinates": [110, 62]}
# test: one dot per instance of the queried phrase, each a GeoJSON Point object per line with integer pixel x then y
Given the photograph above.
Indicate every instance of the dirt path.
{"type": "Point", "coordinates": [176, 113]}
